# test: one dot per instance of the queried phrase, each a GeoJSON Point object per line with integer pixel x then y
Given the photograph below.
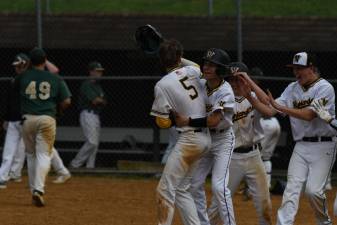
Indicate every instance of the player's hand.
{"type": "Point", "coordinates": [244, 88]}
{"type": "Point", "coordinates": [272, 101]}
{"type": "Point", "coordinates": [321, 111]}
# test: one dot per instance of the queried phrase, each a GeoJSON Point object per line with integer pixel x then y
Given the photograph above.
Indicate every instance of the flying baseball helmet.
{"type": "Point", "coordinates": [148, 39]}
{"type": "Point", "coordinates": [220, 58]}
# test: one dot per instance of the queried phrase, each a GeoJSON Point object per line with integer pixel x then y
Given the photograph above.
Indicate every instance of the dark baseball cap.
{"type": "Point", "coordinates": [238, 67]}
{"type": "Point", "coordinates": [20, 59]}
{"type": "Point", "coordinates": [303, 59]}
{"type": "Point", "coordinates": [37, 56]}
{"type": "Point", "coordinates": [95, 66]}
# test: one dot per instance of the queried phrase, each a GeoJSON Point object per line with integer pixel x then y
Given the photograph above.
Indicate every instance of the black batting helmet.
{"type": "Point", "coordinates": [220, 58]}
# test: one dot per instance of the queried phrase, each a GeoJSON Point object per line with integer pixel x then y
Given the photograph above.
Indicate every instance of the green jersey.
{"type": "Point", "coordinates": [89, 91]}
{"type": "Point", "coordinates": [40, 92]}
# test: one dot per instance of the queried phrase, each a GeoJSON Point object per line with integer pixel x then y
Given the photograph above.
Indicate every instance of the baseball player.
{"type": "Point", "coordinates": [13, 154]}
{"type": "Point", "coordinates": [40, 93]}
{"type": "Point", "coordinates": [220, 104]}
{"type": "Point", "coordinates": [272, 131]}
{"type": "Point", "coordinates": [246, 160]}
{"type": "Point", "coordinates": [324, 114]}
{"type": "Point", "coordinates": [180, 91]}
{"type": "Point", "coordinates": [314, 152]}
{"type": "Point", "coordinates": [92, 101]}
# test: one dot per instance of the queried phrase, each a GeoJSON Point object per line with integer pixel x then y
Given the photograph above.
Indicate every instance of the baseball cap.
{"type": "Point", "coordinates": [37, 56]}
{"type": "Point", "coordinates": [303, 59]}
{"type": "Point", "coordinates": [95, 66]}
{"type": "Point", "coordinates": [238, 67]}
{"type": "Point", "coordinates": [20, 58]}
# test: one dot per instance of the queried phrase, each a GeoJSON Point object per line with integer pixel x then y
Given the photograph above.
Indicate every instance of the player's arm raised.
{"type": "Point", "coordinates": [303, 114]}
{"type": "Point", "coordinates": [245, 89]}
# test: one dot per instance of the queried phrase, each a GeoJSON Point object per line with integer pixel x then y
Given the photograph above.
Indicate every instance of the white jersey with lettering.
{"type": "Point", "coordinates": [314, 152]}
{"type": "Point", "coordinates": [247, 126]}
{"type": "Point", "coordinates": [295, 96]}
{"type": "Point", "coordinates": [218, 158]}
{"type": "Point", "coordinates": [181, 91]}
{"type": "Point", "coordinates": [248, 164]}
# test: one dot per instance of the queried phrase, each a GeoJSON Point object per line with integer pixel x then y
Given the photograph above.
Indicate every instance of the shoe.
{"type": "Point", "coordinates": [62, 179]}
{"type": "Point", "coordinates": [3, 185]}
{"type": "Point", "coordinates": [38, 198]}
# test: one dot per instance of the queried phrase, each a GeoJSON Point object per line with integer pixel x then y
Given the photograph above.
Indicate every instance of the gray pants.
{"type": "Point", "coordinates": [91, 127]}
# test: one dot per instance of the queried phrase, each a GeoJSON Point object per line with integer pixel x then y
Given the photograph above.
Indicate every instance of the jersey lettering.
{"type": "Point", "coordinates": [189, 87]}
{"type": "Point", "coordinates": [302, 104]}
{"type": "Point", "coordinates": [243, 114]}
{"type": "Point", "coordinates": [44, 90]}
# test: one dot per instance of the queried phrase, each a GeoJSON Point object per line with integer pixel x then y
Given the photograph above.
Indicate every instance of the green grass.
{"type": "Point", "coordinates": [325, 8]}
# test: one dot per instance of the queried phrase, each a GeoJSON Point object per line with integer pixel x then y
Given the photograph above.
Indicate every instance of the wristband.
{"type": "Point", "coordinates": [198, 122]}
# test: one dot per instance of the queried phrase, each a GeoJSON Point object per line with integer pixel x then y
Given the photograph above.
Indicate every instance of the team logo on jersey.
{"type": "Point", "coordinates": [222, 103]}
{"type": "Point", "coordinates": [243, 114]}
{"type": "Point", "coordinates": [209, 107]}
{"type": "Point", "coordinates": [302, 104]}
{"type": "Point", "coordinates": [324, 101]}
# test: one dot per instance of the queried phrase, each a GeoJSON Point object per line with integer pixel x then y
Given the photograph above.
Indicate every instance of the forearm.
{"type": "Point", "coordinates": [303, 114]}
{"type": "Point", "coordinates": [51, 67]}
{"type": "Point", "coordinates": [260, 107]}
{"type": "Point", "coordinates": [260, 94]}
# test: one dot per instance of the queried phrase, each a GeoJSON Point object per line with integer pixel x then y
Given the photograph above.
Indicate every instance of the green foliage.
{"type": "Point", "coordinates": [325, 8]}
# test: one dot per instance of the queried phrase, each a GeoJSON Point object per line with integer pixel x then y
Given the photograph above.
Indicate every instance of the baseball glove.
{"type": "Point", "coordinates": [148, 39]}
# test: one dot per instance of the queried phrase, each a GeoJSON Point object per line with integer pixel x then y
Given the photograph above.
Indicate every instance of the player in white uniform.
{"type": "Point", "coordinates": [315, 150]}
{"type": "Point", "coordinates": [324, 114]}
{"type": "Point", "coordinates": [246, 160]}
{"type": "Point", "coordinates": [272, 131]}
{"type": "Point", "coordinates": [220, 104]}
{"type": "Point", "coordinates": [179, 91]}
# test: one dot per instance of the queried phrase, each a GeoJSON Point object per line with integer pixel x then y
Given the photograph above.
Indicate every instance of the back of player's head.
{"type": "Point", "coordinates": [37, 56]}
{"type": "Point", "coordinates": [170, 53]}
{"type": "Point", "coordinates": [218, 57]}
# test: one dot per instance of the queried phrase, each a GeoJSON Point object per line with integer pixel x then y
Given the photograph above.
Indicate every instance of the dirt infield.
{"type": "Point", "coordinates": [87, 200]}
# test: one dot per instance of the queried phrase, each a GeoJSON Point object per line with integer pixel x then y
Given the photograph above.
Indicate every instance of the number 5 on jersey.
{"type": "Point", "coordinates": [189, 87]}
{"type": "Point", "coordinates": [44, 90]}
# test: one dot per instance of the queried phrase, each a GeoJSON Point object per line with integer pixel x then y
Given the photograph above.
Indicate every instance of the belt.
{"type": "Point", "coordinates": [316, 139]}
{"type": "Point", "coordinates": [195, 131]}
{"type": "Point", "coordinates": [248, 149]}
{"type": "Point", "coordinates": [215, 131]}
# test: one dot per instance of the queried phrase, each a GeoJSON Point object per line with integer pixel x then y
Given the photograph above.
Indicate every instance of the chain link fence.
{"type": "Point", "coordinates": [128, 132]}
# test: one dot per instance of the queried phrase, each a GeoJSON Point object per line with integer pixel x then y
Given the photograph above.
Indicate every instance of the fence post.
{"type": "Point", "coordinates": [239, 30]}
{"type": "Point", "coordinates": [38, 22]}
{"type": "Point", "coordinates": [210, 8]}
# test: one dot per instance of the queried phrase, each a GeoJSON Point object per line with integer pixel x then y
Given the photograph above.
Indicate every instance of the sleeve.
{"type": "Point", "coordinates": [160, 107]}
{"type": "Point", "coordinates": [64, 91]}
{"type": "Point", "coordinates": [326, 93]}
{"type": "Point", "coordinates": [284, 98]}
{"type": "Point", "coordinates": [224, 100]}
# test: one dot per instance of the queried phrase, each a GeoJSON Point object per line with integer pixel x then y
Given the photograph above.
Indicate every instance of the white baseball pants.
{"type": "Point", "coordinates": [309, 167]}
{"type": "Point", "coordinates": [91, 127]}
{"type": "Point", "coordinates": [216, 160]}
{"type": "Point", "coordinates": [174, 186]}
